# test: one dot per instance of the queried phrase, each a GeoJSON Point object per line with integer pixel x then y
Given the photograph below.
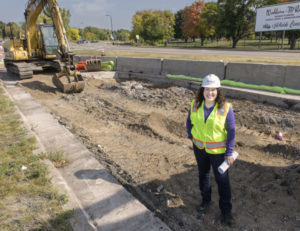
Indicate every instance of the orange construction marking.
{"type": "Point", "coordinates": [81, 66]}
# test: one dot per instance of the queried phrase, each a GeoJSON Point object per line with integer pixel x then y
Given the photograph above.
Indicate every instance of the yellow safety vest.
{"type": "Point", "coordinates": [212, 134]}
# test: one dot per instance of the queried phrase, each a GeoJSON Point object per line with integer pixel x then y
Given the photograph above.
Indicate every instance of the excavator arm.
{"type": "Point", "coordinates": [32, 12]}
{"type": "Point", "coordinates": [68, 80]}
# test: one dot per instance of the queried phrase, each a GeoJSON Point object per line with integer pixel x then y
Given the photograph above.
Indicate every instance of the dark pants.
{"type": "Point", "coordinates": [204, 161]}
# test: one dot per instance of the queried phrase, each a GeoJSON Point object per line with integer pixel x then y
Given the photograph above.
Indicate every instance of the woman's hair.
{"type": "Point", "coordinates": [200, 97]}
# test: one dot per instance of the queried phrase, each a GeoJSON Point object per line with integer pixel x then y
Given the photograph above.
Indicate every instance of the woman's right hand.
{"type": "Point", "coordinates": [229, 159]}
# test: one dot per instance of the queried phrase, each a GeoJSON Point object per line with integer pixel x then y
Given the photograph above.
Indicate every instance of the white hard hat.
{"type": "Point", "coordinates": [212, 81]}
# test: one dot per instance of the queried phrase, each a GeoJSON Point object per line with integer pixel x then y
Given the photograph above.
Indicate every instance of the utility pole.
{"type": "Point", "coordinates": [111, 26]}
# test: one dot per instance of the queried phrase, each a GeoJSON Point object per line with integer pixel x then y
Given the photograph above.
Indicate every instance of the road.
{"type": "Point", "coordinates": [195, 51]}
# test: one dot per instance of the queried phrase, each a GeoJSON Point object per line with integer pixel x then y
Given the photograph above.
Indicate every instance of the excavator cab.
{"type": "Point", "coordinates": [49, 41]}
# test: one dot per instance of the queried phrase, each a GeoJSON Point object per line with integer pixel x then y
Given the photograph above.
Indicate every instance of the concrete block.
{"type": "Point", "coordinates": [193, 68]}
{"type": "Point", "coordinates": [139, 65]}
{"type": "Point", "coordinates": [292, 77]}
{"type": "Point", "coordinates": [262, 74]}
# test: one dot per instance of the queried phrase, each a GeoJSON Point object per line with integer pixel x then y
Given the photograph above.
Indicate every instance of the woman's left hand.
{"type": "Point", "coordinates": [229, 159]}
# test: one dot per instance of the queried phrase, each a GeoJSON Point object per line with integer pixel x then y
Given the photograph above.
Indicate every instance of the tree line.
{"type": "Point", "coordinates": [230, 19]}
{"type": "Point", "coordinates": [13, 29]}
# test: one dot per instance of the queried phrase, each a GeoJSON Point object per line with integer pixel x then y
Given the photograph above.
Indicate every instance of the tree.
{"type": "Point", "coordinates": [122, 35]}
{"type": "Point", "coordinates": [12, 29]}
{"type": "Point", "coordinates": [168, 23]}
{"type": "Point", "coordinates": [153, 26]}
{"type": "Point", "coordinates": [236, 18]}
{"type": "Point", "coordinates": [179, 20]}
{"type": "Point", "coordinates": [137, 24]}
{"type": "Point", "coordinates": [94, 33]}
{"type": "Point", "coordinates": [73, 34]}
{"type": "Point", "coordinates": [293, 35]}
{"type": "Point", "coordinates": [46, 15]}
{"type": "Point", "coordinates": [2, 29]}
{"type": "Point", "coordinates": [191, 26]}
{"type": "Point", "coordinates": [152, 29]}
{"type": "Point", "coordinates": [66, 15]}
{"type": "Point", "coordinates": [208, 21]}
{"type": "Point", "coordinates": [88, 34]}
{"type": "Point", "coordinates": [209, 17]}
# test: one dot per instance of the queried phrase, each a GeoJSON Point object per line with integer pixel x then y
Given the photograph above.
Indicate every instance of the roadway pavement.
{"type": "Point", "coordinates": [286, 54]}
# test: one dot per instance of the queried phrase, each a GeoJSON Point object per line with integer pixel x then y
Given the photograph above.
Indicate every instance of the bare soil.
{"type": "Point", "coordinates": [137, 130]}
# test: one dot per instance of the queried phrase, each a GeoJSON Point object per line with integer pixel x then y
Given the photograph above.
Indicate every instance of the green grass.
{"type": "Point", "coordinates": [28, 199]}
{"type": "Point", "coordinates": [243, 44]}
{"type": "Point", "coordinates": [58, 158]}
{"type": "Point", "coordinates": [276, 89]}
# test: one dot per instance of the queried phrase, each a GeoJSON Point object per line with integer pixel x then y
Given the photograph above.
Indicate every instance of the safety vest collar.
{"type": "Point", "coordinates": [195, 106]}
{"type": "Point", "coordinates": [222, 110]}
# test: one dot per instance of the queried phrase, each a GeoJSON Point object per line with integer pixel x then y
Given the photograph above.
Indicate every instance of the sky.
{"type": "Point", "coordinates": [93, 12]}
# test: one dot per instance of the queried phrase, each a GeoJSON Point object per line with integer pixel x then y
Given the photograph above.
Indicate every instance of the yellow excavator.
{"type": "Point", "coordinates": [44, 46]}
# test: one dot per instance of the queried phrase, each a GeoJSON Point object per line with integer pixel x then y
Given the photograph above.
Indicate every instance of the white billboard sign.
{"type": "Point", "coordinates": [278, 17]}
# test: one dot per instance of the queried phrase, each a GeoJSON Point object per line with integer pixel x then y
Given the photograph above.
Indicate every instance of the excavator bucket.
{"type": "Point", "coordinates": [69, 81]}
{"type": "Point", "coordinates": [93, 64]}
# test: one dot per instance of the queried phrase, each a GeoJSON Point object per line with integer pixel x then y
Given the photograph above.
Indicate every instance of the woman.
{"type": "Point", "coordinates": [211, 127]}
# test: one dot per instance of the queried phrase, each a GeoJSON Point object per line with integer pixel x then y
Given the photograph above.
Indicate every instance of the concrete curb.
{"type": "Point", "coordinates": [99, 201]}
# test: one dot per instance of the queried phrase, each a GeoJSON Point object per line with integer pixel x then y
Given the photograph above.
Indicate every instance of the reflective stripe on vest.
{"type": "Point", "coordinates": [212, 134]}
{"type": "Point", "coordinates": [209, 145]}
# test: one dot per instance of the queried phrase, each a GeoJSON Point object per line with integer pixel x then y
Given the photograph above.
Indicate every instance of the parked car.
{"type": "Point", "coordinates": [82, 41]}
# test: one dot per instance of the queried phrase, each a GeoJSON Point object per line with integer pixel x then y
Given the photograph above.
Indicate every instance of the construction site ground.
{"type": "Point", "coordinates": [137, 131]}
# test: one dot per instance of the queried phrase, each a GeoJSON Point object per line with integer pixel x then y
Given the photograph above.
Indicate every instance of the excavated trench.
{"type": "Point", "coordinates": [137, 131]}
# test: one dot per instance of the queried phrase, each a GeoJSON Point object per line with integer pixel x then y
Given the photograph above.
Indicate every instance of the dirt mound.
{"type": "Point", "coordinates": [137, 130]}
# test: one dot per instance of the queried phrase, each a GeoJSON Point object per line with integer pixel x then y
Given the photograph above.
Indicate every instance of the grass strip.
{"type": "Point", "coordinates": [28, 199]}
{"type": "Point", "coordinates": [276, 89]}
{"type": "Point", "coordinates": [185, 77]}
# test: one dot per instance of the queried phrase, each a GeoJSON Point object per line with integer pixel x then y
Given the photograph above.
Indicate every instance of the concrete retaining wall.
{"type": "Point", "coordinates": [261, 74]}
{"type": "Point", "coordinates": [139, 65]}
{"type": "Point", "coordinates": [264, 74]}
{"type": "Point", "coordinates": [192, 68]}
{"type": "Point", "coordinates": [292, 77]}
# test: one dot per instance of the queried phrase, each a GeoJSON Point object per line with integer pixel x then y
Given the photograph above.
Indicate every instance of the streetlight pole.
{"type": "Point", "coordinates": [111, 26]}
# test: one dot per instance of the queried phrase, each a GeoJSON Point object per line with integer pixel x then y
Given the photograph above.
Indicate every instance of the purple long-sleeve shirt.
{"type": "Point", "coordinates": [230, 127]}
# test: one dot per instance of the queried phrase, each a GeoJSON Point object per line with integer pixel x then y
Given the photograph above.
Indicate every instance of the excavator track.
{"type": "Point", "coordinates": [22, 69]}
